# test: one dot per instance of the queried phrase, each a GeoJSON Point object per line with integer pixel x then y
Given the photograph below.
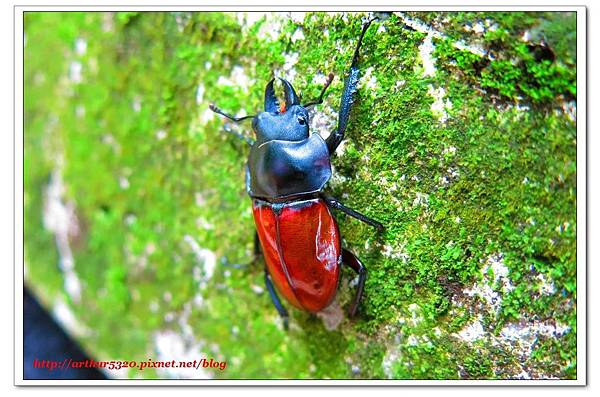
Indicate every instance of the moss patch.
{"type": "Point", "coordinates": [476, 160]}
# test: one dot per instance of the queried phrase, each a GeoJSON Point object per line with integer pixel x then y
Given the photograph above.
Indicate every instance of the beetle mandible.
{"type": "Point", "coordinates": [286, 172]}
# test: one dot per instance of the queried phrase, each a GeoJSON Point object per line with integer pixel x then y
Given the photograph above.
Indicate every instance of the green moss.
{"type": "Point", "coordinates": [520, 70]}
{"type": "Point", "coordinates": [151, 174]}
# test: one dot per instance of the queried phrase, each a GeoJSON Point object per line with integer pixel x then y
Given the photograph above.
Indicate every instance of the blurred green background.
{"type": "Point", "coordinates": [462, 141]}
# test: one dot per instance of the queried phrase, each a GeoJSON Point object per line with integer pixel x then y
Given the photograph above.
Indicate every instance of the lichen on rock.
{"type": "Point", "coordinates": [462, 142]}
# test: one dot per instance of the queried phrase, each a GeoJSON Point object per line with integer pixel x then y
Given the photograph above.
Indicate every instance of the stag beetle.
{"type": "Point", "coordinates": [285, 174]}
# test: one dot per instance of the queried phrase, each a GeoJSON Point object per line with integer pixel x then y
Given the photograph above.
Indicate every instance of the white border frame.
{"type": "Point", "coordinates": [582, 117]}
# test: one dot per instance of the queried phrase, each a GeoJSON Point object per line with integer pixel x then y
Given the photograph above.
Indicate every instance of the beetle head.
{"type": "Point", "coordinates": [288, 123]}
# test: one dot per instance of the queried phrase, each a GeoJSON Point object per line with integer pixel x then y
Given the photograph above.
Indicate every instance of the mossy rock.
{"type": "Point", "coordinates": [462, 142]}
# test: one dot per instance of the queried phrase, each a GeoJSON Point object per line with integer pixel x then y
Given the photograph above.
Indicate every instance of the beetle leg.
{"type": "Point", "coordinates": [355, 214]}
{"type": "Point", "coordinates": [225, 262]}
{"type": "Point", "coordinates": [350, 84]}
{"type": "Point", "coordinates": [229, 130]}
{"type": "Point", "coordinates": [282, 311]}
{"type": "Point", "coordinates": [255, 256]}
{"type": "Point", "coordinates": [351, 260]}
{"type": "Point", "coordinates": [257, 251]}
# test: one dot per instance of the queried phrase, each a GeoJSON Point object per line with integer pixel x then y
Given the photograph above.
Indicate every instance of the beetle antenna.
{"type": "Point", "coordinates": [320, 99]}
{"type": "Point", "coordinates": [230, 117]}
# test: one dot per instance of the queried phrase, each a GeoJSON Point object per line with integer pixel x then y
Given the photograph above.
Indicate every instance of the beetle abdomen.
{"type": "Point", "coordinates": [301, 246]}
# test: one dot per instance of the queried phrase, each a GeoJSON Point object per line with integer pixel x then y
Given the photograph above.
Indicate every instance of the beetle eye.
{"type": "Point", "coordinates": [301, 120]}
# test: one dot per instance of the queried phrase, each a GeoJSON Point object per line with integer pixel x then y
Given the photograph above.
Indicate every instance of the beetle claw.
{"type": "Point", "coordinates": [286, 323]}
{"type": "Point", "coordinates": [352, 311]}
{"type": "Point", "coordinates": [225, 262]}
{"type": "Point", "coordinates": [271, 103]}
{"type": "Point", "coordinates": [291, 98]}
{"type": "Point", "coordinates": [381, 15]}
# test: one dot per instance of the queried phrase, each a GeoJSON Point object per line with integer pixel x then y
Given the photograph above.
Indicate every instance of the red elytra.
{"type": "Point", "coordinates": [302, 250]}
